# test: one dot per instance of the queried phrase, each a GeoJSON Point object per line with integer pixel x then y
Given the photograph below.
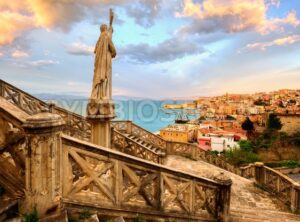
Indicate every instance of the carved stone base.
{"type": "Point", "coordinates": [101, 109]}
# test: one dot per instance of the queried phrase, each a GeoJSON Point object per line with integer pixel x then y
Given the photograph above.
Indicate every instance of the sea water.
{"type": "Point", "coordinates": [145, 113]}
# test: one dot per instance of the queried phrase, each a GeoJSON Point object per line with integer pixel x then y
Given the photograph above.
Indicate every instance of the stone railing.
{"type": "Point", "coordinates": [288, 170]}
{"type": "Point", "coordinates": [76, 125]}
{"type": "Point", "coordinates": [219, 161]}
{"type": "Point", "coordinates": [115, 183]}
{"type": "Point", "coordinates": [124, 144]}
{"type": "Point", "coordinates": [248, 171]}
{"type": "Point", "coordinates": [286, 189]}
{"type": "Point", "coordinates": [183, 149]}
{"type": "Point", "coordinates": [133, 129]}
{"type": "Point", "coordinates": [21, 99]}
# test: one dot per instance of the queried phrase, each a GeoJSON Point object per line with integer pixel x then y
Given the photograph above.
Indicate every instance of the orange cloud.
{"type": "Point", "coordinates": [18, 16]}
{"type": "Point", "coordinates": [279, 42]}
{"type": "Point", "coordinates": [234, 16]}
{"type": "Point", "coordinates": [277, 24]}
{"type": "Point", "coordinates": [12, 25]}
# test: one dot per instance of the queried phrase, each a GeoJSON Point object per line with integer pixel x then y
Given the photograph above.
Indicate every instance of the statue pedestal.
{"type": "Point", "coordinates": [99, 114]}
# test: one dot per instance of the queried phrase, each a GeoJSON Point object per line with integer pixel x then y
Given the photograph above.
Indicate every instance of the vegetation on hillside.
{"type": "Point", "coordinates": [269, 140]}
{"type": "Point", "coordinates": [242, 155]}
{"type": "Point", "coordinates": [284, 163]}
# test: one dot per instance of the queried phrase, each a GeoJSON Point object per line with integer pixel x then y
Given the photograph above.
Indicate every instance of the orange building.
{"type": "Point", "coordinates": [179, 133]}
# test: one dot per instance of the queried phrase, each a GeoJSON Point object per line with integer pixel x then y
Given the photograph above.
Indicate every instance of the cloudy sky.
{"type": "Point", "coordinates": [166, 48]}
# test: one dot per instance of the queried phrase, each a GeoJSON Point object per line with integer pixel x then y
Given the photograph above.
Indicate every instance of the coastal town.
{"type": "Point", "coordinates": [221, 117]}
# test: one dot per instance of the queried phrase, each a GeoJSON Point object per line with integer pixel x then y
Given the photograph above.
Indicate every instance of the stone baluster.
{"type": "Point", "coordinates": [129, 127]}
{"type": "Point", "coordinates": [43, 174]}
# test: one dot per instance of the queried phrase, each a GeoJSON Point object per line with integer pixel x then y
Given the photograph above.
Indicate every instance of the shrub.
{"type": "Point", "coordinates": [246, 145]}
{"type": "Point", "coordinates": [139, 218]}
{"type": "Point", "coordinates": [85, 214]}
{"type": "Point", "coordinates": [289, 163]}
{"type": "Point", "coordinates": [31, 217]}
{"type": "Point", "coordinates": [273, 122]}
{"type": "Point", "coordinates": [239, 157]}
{"type": "Point", "coordinates": [285, 163]}
{"type": "Point", "coordinates": [213, 152]}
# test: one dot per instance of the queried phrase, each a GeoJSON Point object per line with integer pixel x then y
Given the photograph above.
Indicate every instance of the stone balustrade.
{"type": "Point", "coordinates": [130, 128]}
{"type": "Point", "coordinates": [76, 125]}
{"type": "Point", "coordinates": [123, 184]}
{"type": "Point", "coordinates": [125, 144]}
{"type": "Point", "coordinates": [286, 189]}
{"type": "Point", "coordinates": [64, 173]}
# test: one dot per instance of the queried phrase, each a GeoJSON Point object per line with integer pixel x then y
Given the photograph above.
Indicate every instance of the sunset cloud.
{"type": "Point", "coordinates": [13, 25]}
{"type": "Point", "coordinates": [20, 15]}
{"type": "Point", "coordinates": [277, 42]}
{"type": "Point", "coordinates": [19, 54]}
{"type": "Point", "coordinates": [78, 48]}
{"type": "Point", "coordinates": [233, 16]}
{"type": "Point", "coordinates": [229, 15]}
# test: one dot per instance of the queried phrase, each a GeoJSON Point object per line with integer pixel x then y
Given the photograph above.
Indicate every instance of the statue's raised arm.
{"type": "Point", "coordinates": [111, 19]}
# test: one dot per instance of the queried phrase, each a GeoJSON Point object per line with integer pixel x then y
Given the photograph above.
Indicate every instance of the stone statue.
{"type": "Point", "coordinates": [104, 52]}
{"type": "Point", "coordinates": [101, 106]}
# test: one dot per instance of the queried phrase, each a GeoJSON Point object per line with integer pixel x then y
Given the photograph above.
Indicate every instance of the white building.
{"type": "Point", "coordinates": [221, 142]}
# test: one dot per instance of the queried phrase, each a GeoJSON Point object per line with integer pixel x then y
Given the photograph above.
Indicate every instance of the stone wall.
{"type": "Point", "coordinates": [290, 123]}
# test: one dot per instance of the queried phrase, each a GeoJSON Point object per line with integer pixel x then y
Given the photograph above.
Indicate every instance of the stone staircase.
{"type": "Point", "coordinates": [149, 146]}
{"type": "Point", "coordinates": [247, 214]}
{"type": "Point", "coordinates": [248, 202]}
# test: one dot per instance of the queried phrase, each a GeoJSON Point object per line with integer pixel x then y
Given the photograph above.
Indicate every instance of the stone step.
{"type": "Point", "coordinates": [255, 214]}
{"type": "Point", "coordinates": [264, 210]}
{"type": "Point", "coordinates": [245, 218]}
{"type": "Point", "coordinates": [157, 150]}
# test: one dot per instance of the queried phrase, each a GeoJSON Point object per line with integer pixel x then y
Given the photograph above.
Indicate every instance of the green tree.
{"type": "Point", "coordinates": [274, 122]}
{"type": "Point", "coordinates": [248, 126]}
{"type": "Point", "coordinates": [259, 102]}
{"type": "Point", "coordinates": [246, 145]}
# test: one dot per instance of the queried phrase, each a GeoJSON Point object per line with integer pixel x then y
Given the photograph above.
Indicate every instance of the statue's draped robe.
{"type": "Point", "coordinates": [104, 52]}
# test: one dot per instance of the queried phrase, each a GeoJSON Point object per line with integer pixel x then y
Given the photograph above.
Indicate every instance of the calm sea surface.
{"type": "Point", "coordinates": [146, 113]}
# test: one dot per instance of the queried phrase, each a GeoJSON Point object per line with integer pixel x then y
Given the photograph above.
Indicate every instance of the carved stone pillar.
{"type": "Point", "coordinates": [43, 164]}
{"type": "Point", "coordinates": [99, 114]}
{"type": "Point", "coordinates": [223, 203]}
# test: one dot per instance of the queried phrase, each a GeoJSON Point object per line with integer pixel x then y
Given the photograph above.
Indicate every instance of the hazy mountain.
{"type": "Point", "coordinates": [49, 96]}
